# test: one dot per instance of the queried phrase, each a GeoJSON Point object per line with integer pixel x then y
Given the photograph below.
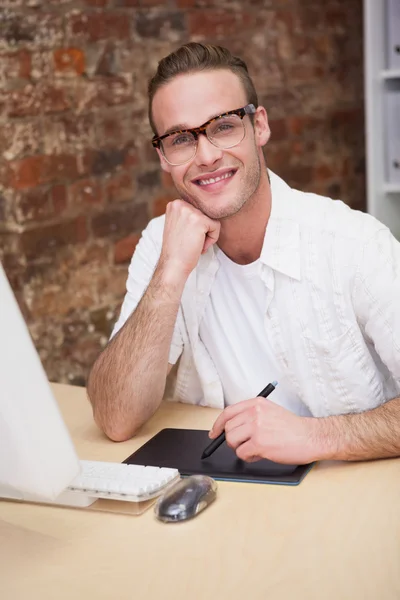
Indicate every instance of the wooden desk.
{"type": "Point", "coordinates": [336, 536]}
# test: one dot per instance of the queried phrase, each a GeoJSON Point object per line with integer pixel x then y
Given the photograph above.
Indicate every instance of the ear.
{"type": "Point", "coordinates": [164, 165]}
{"type": "Point", "coordinates": [262, 131]}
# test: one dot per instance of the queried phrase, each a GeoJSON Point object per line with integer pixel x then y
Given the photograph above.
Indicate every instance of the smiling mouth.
{"type": "Point", "coordinates": [210, 180]}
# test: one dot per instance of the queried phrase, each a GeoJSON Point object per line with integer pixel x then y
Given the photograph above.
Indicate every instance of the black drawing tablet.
{"type": "Point", "coordinates": [182, 449]}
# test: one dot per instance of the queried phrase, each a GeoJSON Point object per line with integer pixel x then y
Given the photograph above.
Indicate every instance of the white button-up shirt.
{"type": "Point", "coordinates": [333, 311]}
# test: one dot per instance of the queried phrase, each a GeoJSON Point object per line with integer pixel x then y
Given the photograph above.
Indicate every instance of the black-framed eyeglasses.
{"type": "Point", "coordinates": [224, 131]}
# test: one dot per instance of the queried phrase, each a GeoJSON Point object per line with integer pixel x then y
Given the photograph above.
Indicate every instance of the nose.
{"type": "Point", "coordinates": [207, 153]}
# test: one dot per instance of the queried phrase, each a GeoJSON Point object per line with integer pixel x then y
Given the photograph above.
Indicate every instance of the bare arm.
{"type": "Point", "coordinates": [259, 428]}
{"type": "Point", "coordinates": [127, 381]}
{"type": "Point", "coordinates": [362, 436]}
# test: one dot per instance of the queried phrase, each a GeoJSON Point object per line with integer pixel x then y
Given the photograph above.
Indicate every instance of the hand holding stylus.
{"type": "Point", "coordinates": [258, 428]}
{"type": "Point", "coordinates": [220, 439]}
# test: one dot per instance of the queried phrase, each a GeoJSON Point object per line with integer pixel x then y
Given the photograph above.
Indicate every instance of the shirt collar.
{"type": "Point", "coordinates": [281, 247]}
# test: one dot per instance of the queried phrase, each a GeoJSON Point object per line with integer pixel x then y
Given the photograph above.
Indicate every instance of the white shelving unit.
{"type": "Point", "coordinates": [382, 79]}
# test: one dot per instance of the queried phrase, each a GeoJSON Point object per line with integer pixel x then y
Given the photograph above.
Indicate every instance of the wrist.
{"type": "Point", "coordinates": [324, 438]}
{"type": "Point", "coordinates": [170, 278]}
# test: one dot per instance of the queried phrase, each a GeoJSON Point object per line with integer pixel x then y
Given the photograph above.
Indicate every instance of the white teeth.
{"type": "Point", "coordinates": [215, 179]}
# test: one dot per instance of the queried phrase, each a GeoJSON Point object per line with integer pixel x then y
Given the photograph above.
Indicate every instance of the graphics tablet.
{"type": "Point", "coordinates": [182, 449]}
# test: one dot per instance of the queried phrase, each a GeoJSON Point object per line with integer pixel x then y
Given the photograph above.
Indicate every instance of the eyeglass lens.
{"type": "Point", "coordinates": [224, 132]}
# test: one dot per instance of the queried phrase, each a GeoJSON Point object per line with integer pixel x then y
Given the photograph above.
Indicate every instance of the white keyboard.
{"type": "Point", "coordinates": [116, 481]}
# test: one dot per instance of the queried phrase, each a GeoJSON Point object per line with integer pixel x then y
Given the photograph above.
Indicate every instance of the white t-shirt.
{"type": "Point", "coordinates": [233, 331]}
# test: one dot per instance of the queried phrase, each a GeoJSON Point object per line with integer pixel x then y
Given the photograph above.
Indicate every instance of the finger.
{"type": "Point", "coordinates": [227, 414]}
{"type": "Point", "coordinates": [247, 451]}
{"type": "Point", "coordinates": [212, 234]}
{"type": "Point", "coordinates": [239, 435]}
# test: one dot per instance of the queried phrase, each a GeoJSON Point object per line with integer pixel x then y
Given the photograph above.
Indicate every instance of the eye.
{"type": "Point", "coordinates": [224, 126]}
{"type": "Point", "coordinates": [181, 139]}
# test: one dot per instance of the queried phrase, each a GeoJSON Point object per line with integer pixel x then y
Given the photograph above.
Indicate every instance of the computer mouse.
{"type": "Point", "coordinates": [186, 499]}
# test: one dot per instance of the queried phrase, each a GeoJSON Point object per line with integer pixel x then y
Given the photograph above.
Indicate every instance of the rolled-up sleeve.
{"type": "Point", "coordinates": [376, 296]}
{"type": "Point", "coordinates": [141, 270]}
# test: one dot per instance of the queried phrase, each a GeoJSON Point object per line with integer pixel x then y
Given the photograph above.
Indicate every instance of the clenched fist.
{"type": "Point", "coordinates": [188, 233]}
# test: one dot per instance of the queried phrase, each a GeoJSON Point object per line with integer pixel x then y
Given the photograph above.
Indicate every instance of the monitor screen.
{"type": "Point", "coordinates": [37, 457]}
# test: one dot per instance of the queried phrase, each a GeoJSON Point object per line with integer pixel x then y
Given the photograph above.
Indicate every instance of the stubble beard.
{"type": "Point", "coordinates": [247, 188]}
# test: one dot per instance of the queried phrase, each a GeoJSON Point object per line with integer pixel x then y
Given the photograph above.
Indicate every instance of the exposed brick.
{"type": "Point", "coordinates": [160, 24]}
{"type": "Point", "coordinates": [111, 284]}
{"type": "Point", "coordinates": [186, 3]}
{"type": "Point", "coordinates": [93, 27]}
{"type": "Point", "coordinates": [115, 127]}
{"type": "Point", "coordinates": [66, 283]}
{"type": "Point", "coordinates": [166, 179]}
{"type": "Point", "coordinates": [160, 205]}
{"type": "Point", "coordinates": [33, 100]}
{"type": "Point", "coordinates": [72, 124]}
{"type": "Point", "coordinates": [140, 3]}
{"type": "Point", "coordinates": [336, 18]}
{"type": "Point", "coordinates": [149, 179]}
{"type": "Point", "coordinates": [102, 92]}
{"type": "Point", "coordinates": [120, 222]}
{"type": "Point", "coordinates": [47, 239]}
{"type": "Point", "coordinates": [98, 162]}
{"type": "Point", "coordinates": [15, 65]}
{"type": "Point", "coordinates": [59, 199]}
{"type": "Point", "coordinates": [107, 62]}
{"type": "Point", "coordinates": [69, 60]}
{"type": "Point", "coordinates": [120, 187]}
{"type": "Point", "coordinates": [334, 190]}
{"type": "Point", "coordinates": [86, 192]}
{"type": "Point", "coordinates": [278, 129]}
{"type": "Point", "coordinates": [34, 205]}
{"type": "Point", "coordinates": [18, 139]}
{"type": "Point", "coordinates": [217, 23]}
{"type": "Point", "coordinates": [305, 73]}
{"type": "Point", "coordinates": [42, 66]}
{"type": "Point", "coordinates": [36, 170]}
{"type": "Point", "coordinates": [323, 172]}
{"type": "Point", "coordinates": [299, 126]}
{"type": "Point", "coordinates": [129, 3]}
{"type": "Point", "coordinates": [97, 3]}
{"type": "Point", "coordinates": [123, 249]}
{"type": "Point", "coordinates": [103, 320]}
{"type": "Point", "coordinates": [131, 156]}
{"type": "Point", "coordinates": [69, 133]}
{"type": "Point", "coordinates": [33, 29]}
{"type": "Point", "coordinates": [300, 175]}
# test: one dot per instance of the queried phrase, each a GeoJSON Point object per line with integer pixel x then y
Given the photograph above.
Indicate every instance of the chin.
{"type": "Point", "coordinates": [222, 210]}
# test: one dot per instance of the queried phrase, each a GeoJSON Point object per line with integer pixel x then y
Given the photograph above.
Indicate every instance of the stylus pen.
{"type": "Point", "coordinates": [221, 438]}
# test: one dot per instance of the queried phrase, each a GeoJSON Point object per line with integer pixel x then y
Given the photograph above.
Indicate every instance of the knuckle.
{"type": "Point", "coordinates": [227, 427]}
{"type": "Point", "coordinates": [240, 453]}
{"type": "Point", "coordinates": [229, 440]}
{"type": "Point", "coordinates": [256, 411]}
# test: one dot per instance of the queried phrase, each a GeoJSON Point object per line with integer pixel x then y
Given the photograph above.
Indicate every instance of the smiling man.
{"type": "Point", "coordinates": [246, 280]}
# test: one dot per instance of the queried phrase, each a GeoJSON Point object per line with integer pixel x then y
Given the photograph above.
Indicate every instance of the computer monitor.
{"type": "Point", "coordinates": [37, 456]}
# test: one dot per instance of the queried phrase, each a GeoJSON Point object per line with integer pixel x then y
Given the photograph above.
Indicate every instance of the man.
{"type": "Point", "coordinates": [247, 281]}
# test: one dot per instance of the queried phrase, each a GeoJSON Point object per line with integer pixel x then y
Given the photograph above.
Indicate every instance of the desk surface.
{"type": "Point", "coordinates": [336, 536]}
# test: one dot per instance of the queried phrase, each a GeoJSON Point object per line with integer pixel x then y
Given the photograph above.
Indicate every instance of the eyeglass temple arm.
{"type": "Point", "coordinates": [250, 109]}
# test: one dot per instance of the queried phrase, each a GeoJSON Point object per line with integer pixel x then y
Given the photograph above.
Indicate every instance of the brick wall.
{"type": "Point", "coordinates": [78, 178]}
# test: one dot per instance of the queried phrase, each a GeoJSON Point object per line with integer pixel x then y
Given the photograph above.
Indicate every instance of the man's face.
{"type": "Point", "coordinates": [191, 100]}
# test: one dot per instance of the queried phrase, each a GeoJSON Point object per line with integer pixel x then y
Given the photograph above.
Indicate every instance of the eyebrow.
{"type": "Point", "coordinates": [185, 126]}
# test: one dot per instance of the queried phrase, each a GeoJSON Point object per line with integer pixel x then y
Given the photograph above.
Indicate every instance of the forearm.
{"type": "Point", "coordinates": [127, 381]}
{"type": "Point", "coordinates": [363, 436]}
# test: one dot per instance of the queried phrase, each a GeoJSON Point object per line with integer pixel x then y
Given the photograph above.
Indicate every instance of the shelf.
{"type": "Point", "coordinates": [381, 85]}
{"type": "Point", "coordinates": [392, 188]}
{"type": "Point", "coordinates": [392, 74]}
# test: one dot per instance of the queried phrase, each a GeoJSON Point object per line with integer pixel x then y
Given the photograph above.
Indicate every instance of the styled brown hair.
{"type": "Point", "coordinates": [194, 57]}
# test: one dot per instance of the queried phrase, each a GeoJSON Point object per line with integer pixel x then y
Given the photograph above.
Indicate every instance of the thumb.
{"type": "Point", "coordinates": [211, 235]}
